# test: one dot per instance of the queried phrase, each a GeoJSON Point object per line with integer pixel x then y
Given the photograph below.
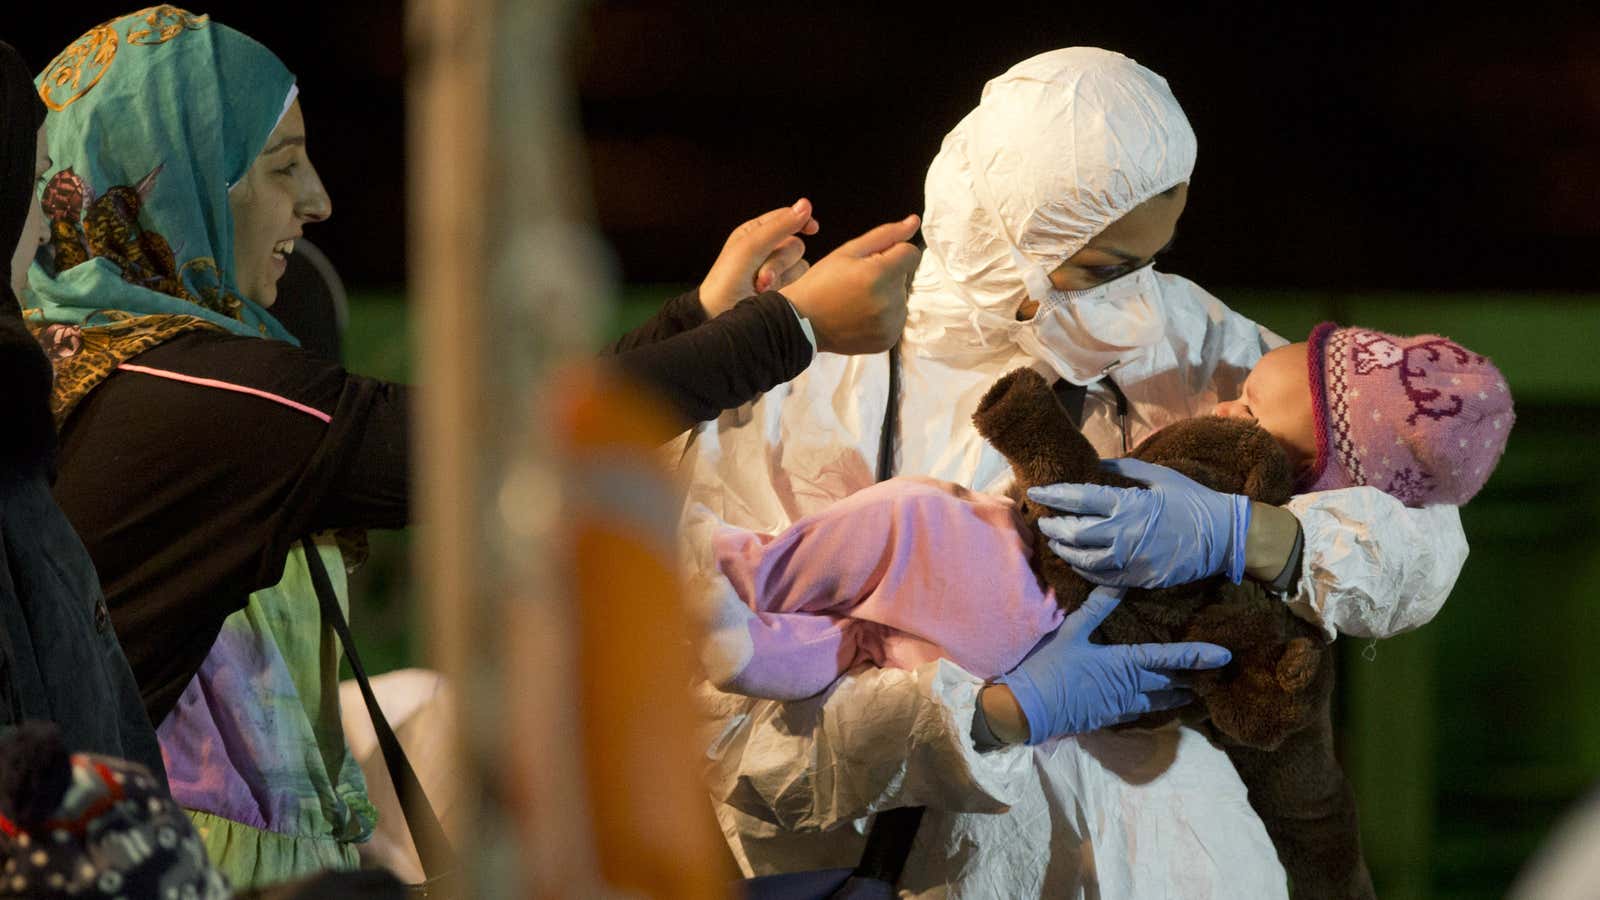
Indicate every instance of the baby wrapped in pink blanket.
{"type": "Point", "coordinates": [897, 574]}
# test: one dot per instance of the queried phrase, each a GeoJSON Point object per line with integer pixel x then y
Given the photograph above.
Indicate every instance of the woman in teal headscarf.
{"type": "Point", "coordinates": [161, 115]}
{"type": "Point", "coordinates": [180, 181]}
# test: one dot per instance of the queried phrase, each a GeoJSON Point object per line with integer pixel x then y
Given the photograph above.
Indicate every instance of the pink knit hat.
{"type": "Point", "coordinates": [1421, 418]}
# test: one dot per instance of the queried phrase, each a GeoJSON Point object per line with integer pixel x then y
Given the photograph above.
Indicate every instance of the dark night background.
{"type": "Point", "coordinates": [1410, 168]}
{"type": "Point", "coordinates": [1342, 148]}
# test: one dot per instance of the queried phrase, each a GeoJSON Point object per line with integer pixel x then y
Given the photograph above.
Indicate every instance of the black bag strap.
{"type": "Point", "coordinates": [889, 844]}
{"type": "Point", "coordinates": [893, 830]}
{"type": "Point", "coordinates": [891, 418]}
{"type": "Point", "coordinates": [433, 848]}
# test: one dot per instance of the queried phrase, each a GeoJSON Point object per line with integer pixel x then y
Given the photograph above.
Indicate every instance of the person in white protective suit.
{"type": "Point", "coordinates": [1044, 208]}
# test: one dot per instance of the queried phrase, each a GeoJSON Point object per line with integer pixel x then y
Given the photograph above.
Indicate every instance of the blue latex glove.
{"type": "Point", "coordinates": [1172, 532]}
{"type": "Point", "coordinates": [1067, 685]}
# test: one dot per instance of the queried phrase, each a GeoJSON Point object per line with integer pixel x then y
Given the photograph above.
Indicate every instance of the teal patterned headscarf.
{"type": "Point", "coordinates": [153, 117]}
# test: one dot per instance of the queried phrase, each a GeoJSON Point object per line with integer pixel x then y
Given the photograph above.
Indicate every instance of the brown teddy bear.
{"type": "Point", "coordinates": [1270, 707]}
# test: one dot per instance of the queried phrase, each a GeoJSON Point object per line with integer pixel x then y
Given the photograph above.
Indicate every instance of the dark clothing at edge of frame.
{"type": "Point", "coordinates": [62, 662]}
{"type": "Point", "coordinates": [59, 656]}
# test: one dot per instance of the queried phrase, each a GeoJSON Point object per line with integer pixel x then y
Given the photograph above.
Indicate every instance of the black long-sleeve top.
{"type": "Point", "coordinates": [189, 493]}
{"type": "Point", "coordinates": [189, 478]}
{"type": "Point", "coordinates": [706, 366]}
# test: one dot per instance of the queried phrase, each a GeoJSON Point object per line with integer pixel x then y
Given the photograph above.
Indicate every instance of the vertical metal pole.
{"type": "Point", "coordinates": [448, 45]}
{"type": "Point", "coordinates": [551, 604]}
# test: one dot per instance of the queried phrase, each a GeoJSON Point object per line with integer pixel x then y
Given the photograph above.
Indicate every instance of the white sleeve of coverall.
{"type": "Point", "coordinates": [1373, 567]}
{"type": "Point", "coordinates": [877, 739]}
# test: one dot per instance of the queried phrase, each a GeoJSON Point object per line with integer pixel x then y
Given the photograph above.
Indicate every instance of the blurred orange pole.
{"type": "Point", "coordinates": [654, 831]}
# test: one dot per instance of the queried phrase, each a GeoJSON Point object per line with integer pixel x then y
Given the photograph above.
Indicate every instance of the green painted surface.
{"type": "Point", "coordinates": [1540, 342]}
{"type": "Point", "coordinates": [377, 342]}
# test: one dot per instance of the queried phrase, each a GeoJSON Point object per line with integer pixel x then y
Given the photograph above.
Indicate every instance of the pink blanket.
{"type": "Point", "coordinates": [897, 574]}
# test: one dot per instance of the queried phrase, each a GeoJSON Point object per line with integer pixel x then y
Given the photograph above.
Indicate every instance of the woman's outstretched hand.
{"type": "Point", "coordinates": [855, 297]}
{"type": "Point", "coordinates": [764, 254]}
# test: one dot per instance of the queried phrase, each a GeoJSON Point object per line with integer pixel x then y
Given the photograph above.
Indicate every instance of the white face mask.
{"type": "Point", "coordinates": [1084, 334]}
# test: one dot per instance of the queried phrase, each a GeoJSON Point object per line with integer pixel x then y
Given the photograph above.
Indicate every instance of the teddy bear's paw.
{"type": "Point", "coordinates": [1298, 665]}
{"type": "Point", "coordinates": [1020, 417]}
{"type": "Point", "coordinates": [1016, 385]}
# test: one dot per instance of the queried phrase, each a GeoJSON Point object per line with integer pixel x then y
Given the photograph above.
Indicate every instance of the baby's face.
{"type": "Point", "coordinates": [1277, 396]}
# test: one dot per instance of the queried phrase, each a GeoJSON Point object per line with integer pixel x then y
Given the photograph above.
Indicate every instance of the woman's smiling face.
{"type": "Point", "coordinates": [271, 205]}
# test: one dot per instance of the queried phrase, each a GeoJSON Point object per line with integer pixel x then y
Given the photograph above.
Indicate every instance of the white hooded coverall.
{"type": "Point", "coordinates": [1059, 147]}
